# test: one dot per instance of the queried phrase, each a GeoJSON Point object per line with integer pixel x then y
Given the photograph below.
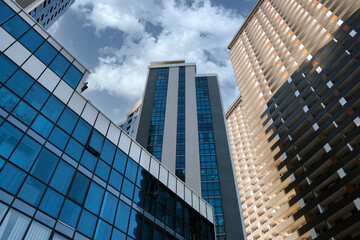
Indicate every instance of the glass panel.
{"type": "Point", "coordinates": [31, 40]}
{"type": "Point", "coordinates": [25, 154]}
{"type": "Point", "coordinates": [20, 82]}
{"type": "Point", "coordinates": [9, 138]}
{"type": "Point", "coordinates": [102, 170]}
{"type": "Point", "coordinates": [160, 212]}
{"type": "Point", "coordinates": [109, 207]}
{"type": "Point", "coordinates": [120, 161]}
{"type": "Point", "coordinates": [59, 138]}
{"type": "Point", "coordinates": [44, 165]}
{"type": "Point", "coordinates": [11, 178]}
{"type": "Point", "coordinates": [37, 96]}
{"type": "Point", "coordinates": [3, 209]}
{"type": "Point", "coordinates": [73, 76]}
{"type": "Point", "coordinates": [46, 53]}
{"type": "Point", "coordinates": [8, 100]}
{"type": "Point", "coordinates": [115, 179]}
{"type": "Point", "coordinates": [135, 224]}
{"type": "Point", "coordinates": [87, 224]}
{"type": "Point", "coordinates": [147, 231]}
{"type": "Point", "coordinates": [94, 198]}
{"type": "Point", "coordinates": [131, 170]}
{"type": "Point", "coordinates": [79, 188]}
{"type": "Point", "coordinates": [53, 108]}
{"type": "Point", "coordinates": [127, 188]}
{"type": "Point", "coordinates": [95, 143]}
{"type": "Point", "coordinates": [82, 131]}
{"type": "Point", "coordinates": [14, 226]}
{"type": "Point", "coordinates": [170, 219]}
{"type": "Point", "coordinates": [62, 177]}
{"type": "Point", "coordinates": [16, 26]}
{"type": "Point", "coordinates": [74, 149]}
{"type": "Point", "coordinates": [42, 126]}
{"type": "Point", "coordinates": [51, 203]}
{"type": "Point", "coordinates": [59, 65]}
{"type": "Point", "coordinates": [68, 120]}
{"type": "Point", "coordinates": [141, 179]}
{"type": "Point", "coordinates": [88, 160]}
{"type": "Point", "coordinates": [58, 237]}
{"type": "Point", "coordinates": [159, 234]}
{"type": "Point", "coordinates": [170, 202]}
{"type": "Point", "coordinates": [117, 235]}
{"type": "Point", "coordinates": [5, 12]}
{"type": "Point", "coordinates": [103, 231]}
{"type": "Point", "coordinates": [122, 216]}
{"type": "Point", "coordinates": [70, 213]}
{"type": "Point", "coordinates": [108, 152]}
{"type": "Point", "coordinates": [139, 197]}
{"type": "Point", "coordinates": [7, 69]}
{"type": "Point", "coordinates": [25, 113]}
{"type": "Point", "coordinates": [38, 231]}
{"type": "Point", "coordinates": [32, 191]}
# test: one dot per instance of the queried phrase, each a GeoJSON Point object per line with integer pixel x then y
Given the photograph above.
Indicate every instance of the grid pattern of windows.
{"type": "Point", "coordinates": [58, 169]}
{"type": "Point", "coordinates": [180, 137]}
{"type": "Point", "coordinates": [210, 186]}
{"type": "Point", "coordinates": [49, 11]}
{"type": "Point", "coordinates": [158, 114]}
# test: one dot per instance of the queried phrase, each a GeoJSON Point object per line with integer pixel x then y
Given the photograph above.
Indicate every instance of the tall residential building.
{"type": "Point", "coordinates": [129, 125]}
{"type": "Point", "coordinates": [67, 171]}
{"type": "Point", "coordinates": [182, 124]}
{"type": "Point", "coordinates": [294, 130]}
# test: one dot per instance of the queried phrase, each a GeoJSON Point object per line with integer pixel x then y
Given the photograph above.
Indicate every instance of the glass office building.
{"type": "Point", "coordinates": [66, 171]}
{"type": "Point", "coordinates": [129, 125]}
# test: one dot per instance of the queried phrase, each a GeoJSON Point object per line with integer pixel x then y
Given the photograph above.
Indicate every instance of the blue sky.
{"type": "Point", "coordinates": [117, 39]}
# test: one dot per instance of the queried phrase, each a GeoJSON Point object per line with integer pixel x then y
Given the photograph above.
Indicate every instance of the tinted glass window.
{"type": "Point", "coordinates": [108, 152]}
{"type": "Point", "coordinates": [25, 113]}
{"type": "Point", "coordinates": [79, 187]}
{"type": "Point", "coordinates": [59, 65]}
{"type": "Point", "coordinates": [73, 76]}
{"type": "Point", "coordinates": [51, 203]}
{"type": "Point", "coordinates": [32, 191]}
{"type": "Point", "coordinates": [109, 207]}
{"type": "Point", "coordinates": [68, 120]}
{"type": "Point", "coordinates": [59, 138]}
{"type": "Point", "coordinates": [31, 40]}
{"type": "Point", "coordinates": [11, 178]}
{"type": "Point", "coordinates": [8, 100]}
{"type": "Point", "coordinates": [88, 160]}
{"type": "Point", "coordinates": [37, 96]}
{"type": "Point", "coordinates": [42, 125]}
{"type": "Point", "coordinates": [120, 161]}
{"type": "Point", "coordinates": [122, 216]}
{"type": "Point", "coordinates": [44, 165]}
{"type": "Point", "coordinates": [5, 12]}
{"type": "Point", "coordinates": [87, 224]}
{"type": "Point", "coordinates": [82, 131]}
{"type": "Point", "coordinates": [7, 69]}
{"type": "Point", "coordinates": [115, 179]}
{"type": "Point", "coordinates": [16, 26]}
{"type": "Point", "coordinates": [20, 82]}
{"type": "Point", "coordinates": [46, 53]}
{"type": "Point", "coordinates": [131, 170]}
{"type": "Point", "coordinates": [94, 198]}
{"type": "Point", "coordinates": [26, 152]}
{"type": "Point", "coordinates": [10, 136]}
{"type": "Point", "coordinates": [70, 213]}
{"type": "Point", "coordinates": [53, 108]}
{"type": "Point", "coordinates": [62, 177]}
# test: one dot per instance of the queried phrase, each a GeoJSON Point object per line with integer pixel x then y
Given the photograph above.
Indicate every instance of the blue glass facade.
{"type": "Point", "coordinates": [49, 11]}
{"type": "Point", "coordinates": [158, 114]}
{"type": "Point", "coordinates": [66, 171]}
{"type": "Point", "coordinates": [210, 186]}
{"type": "Point", "coordinates": [180, 135]}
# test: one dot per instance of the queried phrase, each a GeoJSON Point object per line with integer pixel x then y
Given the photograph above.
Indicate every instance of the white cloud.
{"type": "Point", "coordinates": [197, 32]}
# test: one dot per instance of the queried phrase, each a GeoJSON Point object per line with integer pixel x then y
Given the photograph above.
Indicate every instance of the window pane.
{"type": "Point", "coordinates": [102, 170]}
{"type": "Point", "coordinates": [96, 143]}
{"type": "Point", "coordinates": [15, 224]}
{"type": "Point", "coordinates": [31, 40]}
{"type": "Point", "coordinates": [109, 207]}
{"type": "Point", "coordinates": [147, 231]}
{"type": "Point", "coordinates": [74, 149]}
{"type": "Point", "coordinates": [94, 198]}
{"type": "Point", "coordinates": [5, 12]}
{"type": "Point", "coordinates": [51, 203]}
{"type": "Point", "coordinates": [25, 154]}
{"type": "Point", "coordinates": [37, 96]}
{"type": "Point", "coordinates": [59, 138]}
{"type": "Point", "coordinates": [73, 76]}
{"type": "Point", "coordinates": [46, 53]}
{"type": "Point", "coordinates": [117, 235]}
{"type": "Point", "coordinates": [20, 82]}
{"type": "Point", "coordinates": [11, 178]}
{"type": "Point", "coordinates": [62, 177]}
{"type": "Point", "coordinates": [16, 26]}
{"type": "Point", "coordinates": [131, 170]}
{"type": "Point", "coordinates": [135, 225]}
{"type": "Point", "coordinates": [68, 120]}
{"type": "Point", "coordinates": [88, 160]}
{"type": "Point", "coordinates": [53, 108]}
{"type": "Point", "coordinates": [32, 191]}
{"type": "Point", "coordinates": [38, 231]}
{"type": "Point", "coordinates": [8, 100]}
{"type": "Point", "coordinates": [70, 213]}
{"type": "Point", "coordinates": [59, 65]}
{"type": "Point", "coordinates": [159, 234]}
{"type": "Point", "coordinates": [25, 113]}
{"type": "Point", "coordinates": [87, 223]}
{"type": "Point", "coordinates": [103, 231]}
{"type": "Point", "coordinates": [10, 136]}
{"type": "Point", "coordinates": [44, 165]}
{"type": "Point", "coordinates": [115, 179]}
{"type": "Point", "coordinates": [141, 179]}
{"type": "Point", "coordinates": [120, 161]}
{"type": "Point", "coordinates": [139, 197]}
{"type": "Point", "coordinates": [7, 67]}
{"type": "Point", "coordinates": [108, 152]}
{"type": "Point", "coordinates": [122, 216]}
{"type": "Point", "coordinates": [127, 188]}
{"type": "Point", "coordinates": [42, 126]}
{"type": "Point", "coordinates": [79, 187]}
{"type": "Point", "coordinates": [82, 131]}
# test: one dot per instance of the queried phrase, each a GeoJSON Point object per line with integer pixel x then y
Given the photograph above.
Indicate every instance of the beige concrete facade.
{"type": "Point", "coordinates": [277, 40]}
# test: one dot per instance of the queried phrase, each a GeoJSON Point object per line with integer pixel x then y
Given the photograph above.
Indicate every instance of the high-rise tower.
{"type": "Point", "coordinates": [294, 128]}
{"type": "Point", "coordinates": [182, 124]}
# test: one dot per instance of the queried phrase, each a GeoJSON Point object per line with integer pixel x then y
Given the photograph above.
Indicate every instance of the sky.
{"type": "Point", "coordinates": [117, 39]}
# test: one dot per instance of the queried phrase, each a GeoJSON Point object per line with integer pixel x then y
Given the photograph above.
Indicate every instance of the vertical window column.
{"type": "Point", "coordinates": [180, 137]}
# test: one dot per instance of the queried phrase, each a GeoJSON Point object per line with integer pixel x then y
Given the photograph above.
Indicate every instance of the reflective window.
{"type": "Point", "coordinates": [32, 191]}
{"type": "Point", "coordinates": [62, 177]}
{"type": "Point", "coordinates": [8, 100]}
{"type": "Point", "coordinates": [26, 152]}
{"type": "Point", "coordinates": [120, 161]}
{"type": "Point", "coordinates": [74, 149]}
{"type": "Point", "coordinates": [109, 207]}
{"type": "Point", "coordinates": [42, 126]}
{"type": "Point", "coordinates": [20, 82]}
{"type": "Point", "coordinates": [7, 67]}
{"type": "Point", "coordinates": [16, 26]}
{"type": "Point", "coordinates": [31, 40]}
{"type": "Point", "coordinates": [5, 12]}
{"type": "Point", "coordinates": [10, 137]}
{"type": "Point", "coordinates": [115, 179]}
{"type": "Point", "coordinates": [46, 53]}
{"type": "Point", "coordinates": [127, 188]}
{"type": "Point", "coordinates": [11, 178]}
{"type": "Point", "coordinates": [37, 96]}
{"type": "Point", "coordinates": [44, 165]}
{"type": "Point", "coordinates": [53, 108]}
{"type": "Point", "coordinates": [68, 120]}
{"type": "Point", "coordinates": [59, 138]}
{"type": "Point", "coordinates": [35, 230]}
{"type": "Point", "coordinates": [147, 230]}
{"type": "Point", "coordinates": [117, 235]}
{"type": "Point", "coordinates": [103, 231]}
{"type": "Point", "coordinates": [102, 170]}
{"type": "Point", "coordinates": [94, 198]}
{"type": "Point", "coordinates": [108, 152]}
{"type": "Point", "coordinates": [25, 113]}
{"type": "Point", "coordinates": [88, 160]}
{"type": "Point", "coordinates": [82, 131]}
{"type": "Point", "coordinates": [59, 65]}
{"type": "Point", "coordinates": [87, 223]}
{"type": "Point", "coordinates": [131, 170]}
{"type": "Point", "coordinates": [95, 143]}
{"type": "Point", "coordinates": [11, 226]}
{"type": "Point", "coordinates": [135, 224]}
{"type": "Point", "coordinates": [70, 213]}
{"type": "Point", "coordinates": [79, 187]}
{"type": "Point", "coordinates": [51, 203]}
{"type": "Point", "coordinates": [122, 216]}
{"type": "Point", "coordinates": [73, 76]}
